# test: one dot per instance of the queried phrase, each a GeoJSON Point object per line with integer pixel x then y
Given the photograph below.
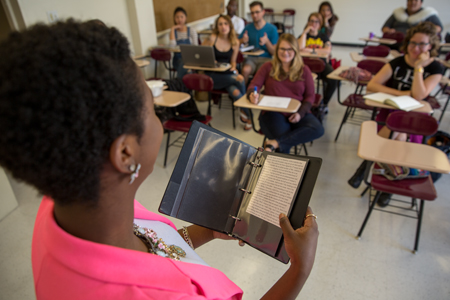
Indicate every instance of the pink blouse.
{"type": "Point", "coordinates": [67, 267]}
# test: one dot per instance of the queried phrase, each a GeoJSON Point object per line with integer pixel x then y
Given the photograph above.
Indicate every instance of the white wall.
{"type": "Point", "coordinates": [357, 17]}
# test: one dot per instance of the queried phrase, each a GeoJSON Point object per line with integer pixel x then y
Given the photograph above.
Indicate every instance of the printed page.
{"type": "Point", "coordinates": [406, 103]}
{"type": "Point", "coordinates": [276, 187]}
{"type": "Point", "coordinates": [272, 101]}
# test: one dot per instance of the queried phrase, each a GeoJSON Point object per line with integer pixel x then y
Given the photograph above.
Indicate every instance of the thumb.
{"type": "Point", "coordinates": [246, 32]}
{"type": "Point", "coordinates": [286, 226]}
{"type": "Point", "coordinates": [265, 33]}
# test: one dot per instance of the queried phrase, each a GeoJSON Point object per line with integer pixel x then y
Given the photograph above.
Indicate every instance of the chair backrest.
{"type": "Point", "coordinates": [160, 54]}
{"type": "Point", "coordinates": [316, 65]}
{"type": "Point", "coordinates": [373, 66]}
{"type": "Point", "coordinates": [289, 11]}
{"type": "Point", "coordinates": [198, 82]}
{"type": "Point", "coordinates": [378, 51]}
{"type": "Point", "coordinates": [269, 10]}
{"type": "Point", "coordinates": [398, 36]}
{"type": "Point", "coordinates": [412, 123]}
{"type": "Point", "coordinates": [240, 58]}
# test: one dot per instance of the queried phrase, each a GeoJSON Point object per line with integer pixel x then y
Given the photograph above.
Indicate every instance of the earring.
{"type": "Point", "coordinates": [134, 172]}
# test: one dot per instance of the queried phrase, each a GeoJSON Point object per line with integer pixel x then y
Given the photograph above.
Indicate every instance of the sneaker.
{"type": "Point", "coordinates": [248, 126]}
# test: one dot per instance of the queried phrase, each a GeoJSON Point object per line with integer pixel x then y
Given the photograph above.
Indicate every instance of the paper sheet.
{"type": "Point", "coordinates": [276, 188]}
{"type": "Point", "coordinates": [272, 101]}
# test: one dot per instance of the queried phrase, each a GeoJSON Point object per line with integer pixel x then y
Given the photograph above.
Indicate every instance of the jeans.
{"type": "Point", "coordinates": [229, 82]}
{"type": "Point", "coordinates": [177, 64]}
{"type": "Point", "coordinates": [276, 126]}
{"type": "Point", "coordinates": [330, 85]}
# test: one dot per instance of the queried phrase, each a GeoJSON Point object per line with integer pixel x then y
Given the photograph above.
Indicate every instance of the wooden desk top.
{"type": "Point", "coordinates": [293, 106]}
{"type": "Point", "coordinates": [372, 147]}
{"type": "Point", "coordinates": [444, 62]}
{"type": "Point", "coordinates": [253, 53]}
{"type": "Point", "coordinates": [222, 68]}
{"type": "Point", "coordinates": [141, 62]}
{"type": "Point", "coordinates": [379, 40]}
{"type": "Point", "coordinates": [171, 98]}
{"type": "Point", "coordinates": [426, 108]}
{"type": "Point", "coordinates": [357, 57]}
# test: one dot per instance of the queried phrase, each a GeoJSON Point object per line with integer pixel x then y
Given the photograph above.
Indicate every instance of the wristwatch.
{"type": "Point", "coordinates": [420, 70]}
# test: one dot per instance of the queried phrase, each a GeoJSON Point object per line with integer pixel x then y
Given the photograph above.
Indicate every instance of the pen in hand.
{"type": "Point", "coordinates": [254, 96]}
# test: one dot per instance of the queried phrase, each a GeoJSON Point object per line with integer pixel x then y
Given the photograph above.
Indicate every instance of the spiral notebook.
{"type": "Point", "coordinates": [229, 186]}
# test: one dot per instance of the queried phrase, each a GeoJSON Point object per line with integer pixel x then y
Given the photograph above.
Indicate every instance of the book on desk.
{"type": "Point", "coordinates": [406, 103]}
{"type": "Point", "coordinates": [229, 186]}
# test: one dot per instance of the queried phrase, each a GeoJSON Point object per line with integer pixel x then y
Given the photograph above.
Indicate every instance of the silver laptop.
{"type": "Point", "coordinates": [199, 56]}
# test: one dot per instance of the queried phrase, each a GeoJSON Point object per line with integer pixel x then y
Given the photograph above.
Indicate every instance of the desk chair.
{"type": "Point", "coordinates": [316, 65]}
{"type": "Point", "coordinates": [423, 189]}
{"type": "Point", "coordinates": [165, 57]}
{"type": "Point", "coordinates": [398, 36]}
{"type": "Point", "coordinates": [200, 83]}
{"type": "Point", "coordinates": [356, 101]}
{"type": "Point", "coordinates": [289, 14]}
{"type": "Point", "coordinates": [268, 16]}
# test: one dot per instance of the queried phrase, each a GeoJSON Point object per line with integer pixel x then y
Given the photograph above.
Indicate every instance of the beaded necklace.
{"type": "Point", "coordinates": [156, 245]}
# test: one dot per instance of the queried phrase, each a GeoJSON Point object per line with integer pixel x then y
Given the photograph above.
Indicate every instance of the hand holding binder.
{"type": "Point", "coordinates": [229, 186]}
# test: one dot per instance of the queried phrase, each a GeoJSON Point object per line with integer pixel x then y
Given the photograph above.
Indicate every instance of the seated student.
{"type": "Point", "coordinates": [260, 34]}
{"type": "Point", "coordinates": [92, 99]}
{"type": "Point", "coordinates": [311, 39]}
{"type": "Point", "coordinates": [329, 18]}
{"type": "Point", "coordinates": [238, 23]}
{"type": "Point", "coordinates": [415, 74]}
{"type": "Point", "coordinates": [226, 49]}
{"type": "Point", "coordinates": [286, 76]}
{"type": "Point", "coordinates": [404, 18]}
{"type": "Point", "coordinates": [180, 33]}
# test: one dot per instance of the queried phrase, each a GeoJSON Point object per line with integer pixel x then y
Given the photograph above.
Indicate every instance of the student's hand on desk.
{"type": "Point", "coordinates": [295, 118]}
{"type": "Point", "coordinates": [254, 98]}
{"type": "Point", "coordinates": [264, 39]}
{"type": "Point", "coordinates": [301, 244]}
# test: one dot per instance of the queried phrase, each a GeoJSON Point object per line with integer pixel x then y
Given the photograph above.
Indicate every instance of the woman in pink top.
{"type": "Point", "coordinates": [81, 128]}
{"type": "Point", "coordinates": [286, 76]}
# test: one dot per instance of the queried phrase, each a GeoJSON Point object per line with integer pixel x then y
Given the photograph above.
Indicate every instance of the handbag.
{"type": "Point", "coordinates": [393, 172]}
{"type": "Point", "coordinates": [356, 74]}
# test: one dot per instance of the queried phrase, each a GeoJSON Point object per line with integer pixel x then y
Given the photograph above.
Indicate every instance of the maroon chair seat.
{"type": "Point", "coordinates": [176, 125]}
{"type": "Point", "coordinates": [316, 65]}
{"type": "Point", "coordinates": [356, 101]}
{"type": "Point", "coordinates": [423, 188]}
{"type": "Point", "coordinates": [377, 51]}
{"type": "Point", "coordinates": [398, 36]}
{"type": "Point", "coordinates": [289, 13]}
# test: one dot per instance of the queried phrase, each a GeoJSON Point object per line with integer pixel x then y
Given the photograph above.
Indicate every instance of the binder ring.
{"type": "Point", "coordinates": [254, 164]}
{"type": "Point", "coordinates": [236, 218]}
{"type": "Point", "coordinates": [246, 191]}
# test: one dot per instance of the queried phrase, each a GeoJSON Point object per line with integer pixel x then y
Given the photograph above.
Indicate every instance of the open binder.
{"type": "Point", "coordinates": [229, 186]}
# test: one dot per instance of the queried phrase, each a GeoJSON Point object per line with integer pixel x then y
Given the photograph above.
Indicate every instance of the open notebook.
{"type": "Point", "coordinates": [405, 103]}
{"type": "Point", "coordinates": [229, 186]}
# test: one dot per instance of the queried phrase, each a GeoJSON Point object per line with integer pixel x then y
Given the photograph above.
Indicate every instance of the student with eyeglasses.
{"type": "Point", "coordinates": [414, 74]}
{"type": "Point", "coordinates": [286, 76]}
{"type": "Point", "coordinates": [313, 40]}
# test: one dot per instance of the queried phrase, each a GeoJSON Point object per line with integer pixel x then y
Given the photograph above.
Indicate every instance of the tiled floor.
{"type": "Point", "coordinates": [379, 266]}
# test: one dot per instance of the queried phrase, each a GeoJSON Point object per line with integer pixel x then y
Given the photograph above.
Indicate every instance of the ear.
{"type": "Point", "coordinates": [123, 152]}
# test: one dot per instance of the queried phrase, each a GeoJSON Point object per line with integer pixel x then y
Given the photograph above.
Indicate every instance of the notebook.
{"type": "Point", "coordinates": [405, 103]}
{"type": "Point", "coordinates": [229, 186]}
{"type": "Point", "coordinates": [199, 56]}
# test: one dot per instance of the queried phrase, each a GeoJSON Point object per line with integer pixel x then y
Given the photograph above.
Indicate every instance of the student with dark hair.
{"type": "Point", "coordinates": [79, 125]}
{"type": "Point", "coordinates": [404, 18]}
{"type": "Point", "coordinates": [414, 74]}
{"type": "Point", "coordinates": [238, 23]}
{"type": "Point", "coordinates": [261, 35]}
{"type": "Point", "coordinates": [180, 33]}
{"type": "Point", "coordinates": [329, 18]}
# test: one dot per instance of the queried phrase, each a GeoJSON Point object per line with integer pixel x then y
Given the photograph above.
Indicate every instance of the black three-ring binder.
{"type": "Point", "coordinates": [213, 183]}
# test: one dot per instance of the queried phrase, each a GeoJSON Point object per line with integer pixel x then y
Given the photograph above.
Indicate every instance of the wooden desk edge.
{"type": "Point", "coordinates": [369, 139]}
{"type": "Point", "coordinates": [182, 97]}
{"type": "Point", "coordinates": [426, 108]}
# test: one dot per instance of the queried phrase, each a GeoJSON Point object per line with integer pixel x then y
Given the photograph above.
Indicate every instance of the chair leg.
{"type": "Point", "coordinates": [167, 148]}
{"type": "Point", "coordinates": [372, 205]}
{"type": "Point", "coordinates": [344, 119]}
{"type": "Point", "coordinates": [306, 151]}
{"type": "Point", "coordinates": [209, 104]}
{"type": "Point", "coordinates": [419, 224]}
{"type": "Point", "coordinates": [233, 115]}
{"type": "Point", "coordinates": [443, 110]}
{"type": "Point", "coordinates": [295, 150]}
